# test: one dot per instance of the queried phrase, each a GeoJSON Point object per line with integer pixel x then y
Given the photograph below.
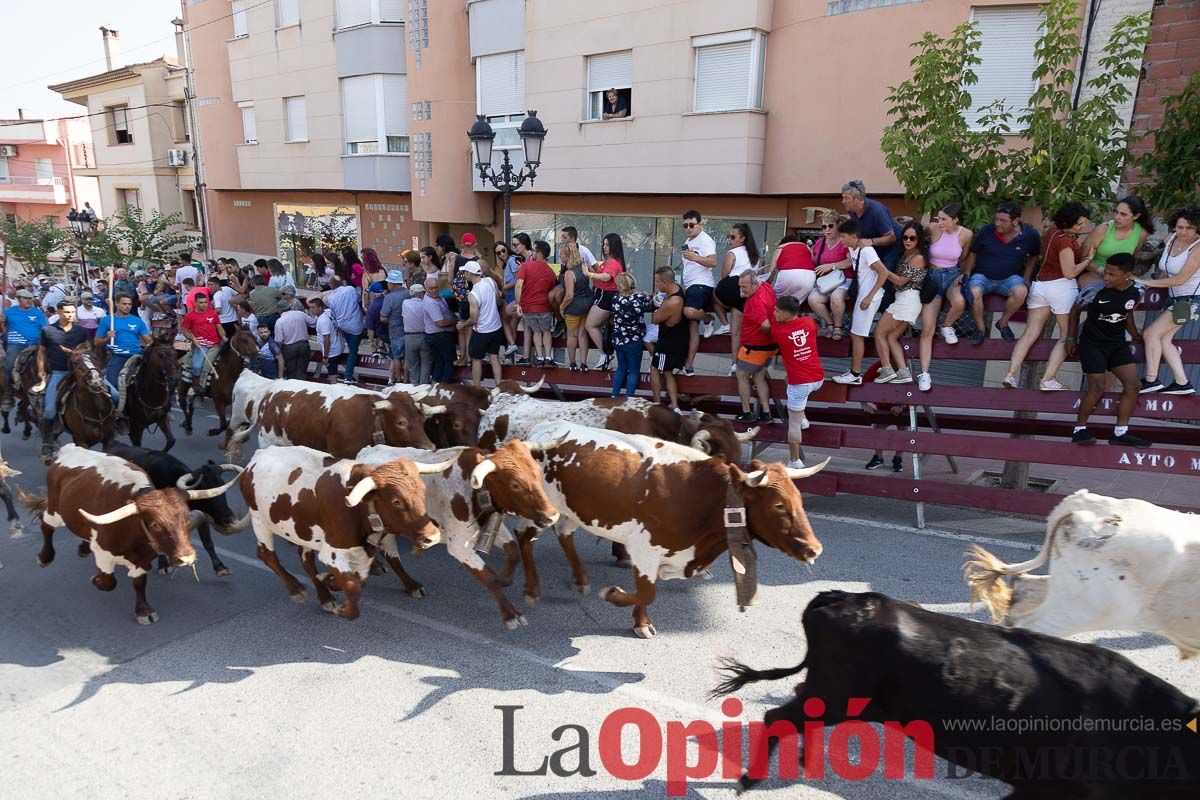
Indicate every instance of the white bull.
{"type": "Point", "coordinates": [1118, 565]}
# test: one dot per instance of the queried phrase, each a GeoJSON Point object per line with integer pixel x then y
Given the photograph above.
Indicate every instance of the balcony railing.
{"type": "Point", "coordinates": [29, 181]}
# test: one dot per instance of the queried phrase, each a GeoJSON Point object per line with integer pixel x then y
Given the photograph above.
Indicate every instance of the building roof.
{"type": "Point", "coordinates": [112, 76]}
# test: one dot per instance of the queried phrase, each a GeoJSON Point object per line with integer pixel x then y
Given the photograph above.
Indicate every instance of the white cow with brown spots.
{"type": "Point", "coordinates": [472, 495]}
{"type": "Point", "coordinates": [337, 510]}
{"type": "Point", "coordinates": [1118, 565]}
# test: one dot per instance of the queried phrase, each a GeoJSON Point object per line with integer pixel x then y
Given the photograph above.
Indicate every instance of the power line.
{"type": "Point", "coordinates": [15, 122]}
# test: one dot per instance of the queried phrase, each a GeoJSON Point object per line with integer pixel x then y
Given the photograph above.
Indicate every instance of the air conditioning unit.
{"type": "Point", "coordinates": [177, 157]}
{"type": "Point", "coordinates": [8, 151]}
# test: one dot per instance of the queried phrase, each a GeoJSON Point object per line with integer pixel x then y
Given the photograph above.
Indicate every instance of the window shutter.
{"type": "Point", "coordinates": [288, 12]}
{"type": "Point", "coordinates": [120, 118]}
{"type": "Point", "coordinates": [297, 118]}
{"type": "Point", "coordinates": [501, 82]}
{"type": "Point", "coordinates": [249, 125]}
{"type": "Point", "coordinates": [1007, 59]}
{"type": "Point", "coordinates": [395, 105]}
{"type": "Point", "coordinates": [723, 76]}
{"type": "Point", "coordinates": [239, 18]}
{"type": "Point", "coordinates": [43, 169]}
{"type": "Point", "coordinates": [392, 10]}
{"type": "Point", "coordinates": [353, 12]}
{"type": "Point", "coordinates": [610, 71]}
{"type": "Point", "coordinates": [358, 100]}
{"type": "Point", "coordinates": [3, 169]}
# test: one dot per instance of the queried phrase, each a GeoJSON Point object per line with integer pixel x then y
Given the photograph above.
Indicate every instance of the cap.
{"type": "Point", "coordinates": [85, 296]}
{"type": "Point", "coordinates": [28, 294]}
{"type": "Point", "coordinates": [468, 240]}
{"type": "Point", "coordinates": [473, 268]}
{"type": "Point", "coordinates": [375, 287]}
{"type": "Point", "coordinates": [416, 288]}
{"type": "Point", "coordinates": [141, 273]}
{"type": "Point", "coordinates": [395, 276]}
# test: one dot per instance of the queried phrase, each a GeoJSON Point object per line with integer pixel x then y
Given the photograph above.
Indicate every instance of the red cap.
{"type": "Point", "coordinates": [468, 240]}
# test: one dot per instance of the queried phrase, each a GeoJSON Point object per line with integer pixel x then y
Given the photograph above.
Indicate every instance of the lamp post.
{"type": "Point", "coordinates": [82, 226]}
{"type": "Point", "coordinates": [507, 179]}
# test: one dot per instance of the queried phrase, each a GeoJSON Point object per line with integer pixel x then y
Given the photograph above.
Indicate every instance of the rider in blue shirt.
{"type": "Point", "coordinates": [22, 327]}
{"type": "Point", "coordinates": [128, 334]}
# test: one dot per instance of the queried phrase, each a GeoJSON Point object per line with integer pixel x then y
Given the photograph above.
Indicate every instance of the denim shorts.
{"type": "Point", "coordinates": [986, 285]}
{"type": "Point", "coordinates": [943, 278]}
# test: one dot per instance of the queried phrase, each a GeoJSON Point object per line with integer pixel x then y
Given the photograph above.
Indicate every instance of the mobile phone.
{"type": "Point", "coordinates": [684, 247]}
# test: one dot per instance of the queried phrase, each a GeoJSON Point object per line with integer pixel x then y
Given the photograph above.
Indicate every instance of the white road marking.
{"type": "Point", "coordinates": [931, 532]}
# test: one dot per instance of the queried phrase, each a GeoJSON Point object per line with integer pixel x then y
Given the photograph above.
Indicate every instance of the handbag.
{"type": "Point", "coordinates": [929, 289]}
{"type": "Point", "coordinates": [830, 281]}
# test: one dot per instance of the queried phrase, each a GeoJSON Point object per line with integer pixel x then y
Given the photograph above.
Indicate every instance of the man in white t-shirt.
{"type": "Point", "coordinates": [570, 235]}
{"type": "Point", "coordinates": [187, 269]}
{"type": "Point", "coordinates": [872, 277]}
{"type": "Point", "coordinates": [487, 333]}
{"type": "Point", "coordinates": [222, 303]}
{"type": "Point", "coordinates": [699, 256]}
{"type": "Point", "coordinates": [329, 338]}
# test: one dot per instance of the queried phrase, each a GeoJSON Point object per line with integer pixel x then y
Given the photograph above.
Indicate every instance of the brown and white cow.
{"type": "Point", "coordinates": [338, 510]}
{"type": "Point", "coordinates": [665, 502]}
{"type": "Point", "coordinates": [473, 494]}
{"type": "Point", "coordinates": [335, 419]}
{"type": "Point", "coordinates": [114, 508]}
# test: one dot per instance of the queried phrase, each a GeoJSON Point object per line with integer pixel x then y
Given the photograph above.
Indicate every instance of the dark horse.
{"type": "Point", "coordinates": [23, 416]}
{"type": "Point", "coordinates": [148, 394]}
{"type": "Point", "coordinates": [231, 359]}
{"type": "Point", "coordinates": [85, 407]}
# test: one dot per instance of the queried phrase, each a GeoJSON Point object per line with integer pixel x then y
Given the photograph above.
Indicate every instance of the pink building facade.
{"type": "Point", "coordinates": [38, 164]}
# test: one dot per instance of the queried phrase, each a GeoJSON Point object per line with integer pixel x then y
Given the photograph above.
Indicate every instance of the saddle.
{"type": "Point", "coordinates": [127, 374]}
{"type": "Point", "coordinates": [20, 364]}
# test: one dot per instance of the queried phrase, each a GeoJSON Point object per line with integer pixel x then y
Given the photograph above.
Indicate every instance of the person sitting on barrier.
{"type": "Point", "coordinates": [1102, 348]}
{"type": "Point", "coordinates": [673, 343]}
{"type": "Point", "coordinates": [830, 254]}
{"type": "Point", "coordinates": [1053, 289]}
{"type": "Point", "coordinates": [757, 346]}
{"type": "Point", "coordinates": [910, 276]}
{"type": "Point", "coordinates": [1000, 254]}
{"type": "Point", "coordinates": [884, 408]}
{"type": "Point", "coordinates": [741, 258]}
{"type": "Point", "coordinates": [797, 340]}
{"type": "Point", "coordinates": [1126, 232]}
{"type": "Point", "coordinates": [949, 242]}
{"type": "Point", "coordinates": [871, 275]}
{"type": "Point", "coordinates": [1181, 261]}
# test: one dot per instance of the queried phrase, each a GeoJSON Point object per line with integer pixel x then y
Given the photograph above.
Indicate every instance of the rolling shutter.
{"type": "Point", "coordinates": [358, 102]}
{"type": "Point", "coordinates": [723, 76]}
{"type": "Point", "coordinates": [610, 71]}
{"type": "Point", "coordinates": [395, 105]}
{"type": "Point", "coordinates": [501, 83]}
{"type": "Point", "coordinates": [1007, 59]}
{"type": "Point", "coordinates": [239, 18]}
{"type": "Point", "coordinates": [297, 118]}
{"type": "Point", "coordinates": [353, 12]}
{"type": "Point", "coordinates": [392, 10]}
{"type": "Point", "coordinates": [249, 125]}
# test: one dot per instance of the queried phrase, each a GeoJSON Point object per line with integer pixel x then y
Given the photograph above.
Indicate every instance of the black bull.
{"type": "Point", "coordinates": [165, 472]}
{"type": "Point", "coordinates": [1053, 718]}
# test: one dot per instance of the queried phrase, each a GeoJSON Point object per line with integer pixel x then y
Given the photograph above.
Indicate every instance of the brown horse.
{"type": "Point", "coordinates": [85, 407]}
{"type": "Point", "coordinates": [232, 357]}
{"type": "Point", "coordinates": [11, 395]}
{"type": "Point", "coordinates": [148, 397]}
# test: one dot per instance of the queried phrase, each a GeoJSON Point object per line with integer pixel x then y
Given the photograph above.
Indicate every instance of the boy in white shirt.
{"type": "Point", "coordinates": [872, 276]}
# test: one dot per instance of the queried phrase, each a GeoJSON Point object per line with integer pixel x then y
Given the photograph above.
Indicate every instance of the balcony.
{"type": "Point", "coordinates": [52, 191]}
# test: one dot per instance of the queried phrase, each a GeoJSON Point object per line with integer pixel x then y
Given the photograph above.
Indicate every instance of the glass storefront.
{"type": "Point", "coordinates": [304, 229]}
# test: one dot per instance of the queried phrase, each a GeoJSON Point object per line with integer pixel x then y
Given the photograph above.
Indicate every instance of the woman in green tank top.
{"type": "Point", "coordinates": [1126, 232]}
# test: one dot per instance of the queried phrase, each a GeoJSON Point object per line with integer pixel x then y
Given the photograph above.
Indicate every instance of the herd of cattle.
{"type": "Point", "coordinates": [344, 474]}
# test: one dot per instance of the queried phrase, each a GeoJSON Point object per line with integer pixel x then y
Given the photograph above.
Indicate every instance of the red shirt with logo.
{"type": "Point", "coordinates": [203, 326]}
{"type": "Point", "coordinates": [759, 308]}
{"type": "Point", "coordinates": [797, 342]}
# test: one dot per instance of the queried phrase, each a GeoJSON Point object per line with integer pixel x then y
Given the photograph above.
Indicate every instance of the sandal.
{"type": "Point", "coordinates": [837, 334]}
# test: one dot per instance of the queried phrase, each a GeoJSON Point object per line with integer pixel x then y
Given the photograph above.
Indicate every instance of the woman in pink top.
{"type": "Point", "coordinates": [830, 253]}
{"type": "Point", "coordinates": [604, 282]}
{"type": "Point", "coordinates": [354, 264]}
{"type": "Point", "coordinates": [793, 261]}
{"type": "Point", "coordinates": [949, 241]}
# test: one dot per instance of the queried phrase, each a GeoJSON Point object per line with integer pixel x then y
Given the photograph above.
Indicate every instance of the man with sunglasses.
{"type": "Point", "coordinates": [699, 254]}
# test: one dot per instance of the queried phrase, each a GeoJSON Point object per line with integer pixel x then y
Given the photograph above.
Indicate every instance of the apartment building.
{"type": "Point", "coordinates": [140, 133]}
{"type": "Point", "coordinates": [40, 162]}
{"type": "Point", "coordinates": [356, 111]}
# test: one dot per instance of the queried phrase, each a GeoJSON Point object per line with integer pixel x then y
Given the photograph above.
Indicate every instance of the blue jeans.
{"type": "Point", "coordinates": [112, 373]}
{"type": "Point", "coordinates": [50, 407]}
{"type": "Point", "coordinates": [986, 285]}
{"type": "Point", "coordinates": [353, 340]}
{"type": "Point", "coordinates": [443, 345]}
{"type": "Point", "coordinates": [629, 367]}
{"type": "Point", "coordinates": [198, 363]}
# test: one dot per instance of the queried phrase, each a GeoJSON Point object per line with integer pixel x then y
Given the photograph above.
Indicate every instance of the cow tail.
{"type": "Point", "coordinates": [33, 502]}
{"type": "Point", "coordinates": [985, 572]}
{"type": "Point", "coordinates": [738, 675]}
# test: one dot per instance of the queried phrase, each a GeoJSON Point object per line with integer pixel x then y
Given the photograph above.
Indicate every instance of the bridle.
{"type": "Point", "coordinates": [102, 392]}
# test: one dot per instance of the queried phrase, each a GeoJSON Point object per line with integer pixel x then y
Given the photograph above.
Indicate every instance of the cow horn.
{"type": "Point", "coordinates": [360, 490]}
{"type": "Point", "coordinates": [535, 388]}
{"type": "Point", "coordinates": [434, 469]}
{"type": "Point", "coordinates": [700, 441]}
{"type": "Point", "coordinates": [421, 392]}
{"type": "Point", "coordinates": [381, 405]}
{"type": "Point", "coordinates": [539, 447]}
{"type": "Point", "coordinates": [231, 468]}
{"type": "Point", "coordinates": [6, 471]}
{"type": "Point", "coordinates": [807, 472]}
{"type": "Point", "coordinates": [756, 478]}
{"type": "Point", "coordinates": [187, 481]}
{"type": "Point", "coordinates": [235, 526]}
{"type": "Point", "coordinates": [747, 435]}
{"type": "Point", "coordinates": [485, 468]}
{"type": "Point", "coordinates": [432, 411]}
{"type": "Point", "coordinates": [216, 491]}
{"type": "Point", "coordinates": [127, 510]}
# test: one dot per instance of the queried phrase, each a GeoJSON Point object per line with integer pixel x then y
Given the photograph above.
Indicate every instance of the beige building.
{"type": "Point", "coordinates": [354, 112]}
{"type": "Point", "coordinates": [141, 136]}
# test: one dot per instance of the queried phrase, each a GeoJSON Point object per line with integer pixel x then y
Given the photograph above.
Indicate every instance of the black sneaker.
{"type": "Point", "coordinates": [767, 418]}
{"type": "Point", "coordinates": [1006, 333]}
{"type": "Point", "coordinates": [746, 416]}
{"type": "Point", "coordinates": [1150, 387]}
{"type": "Point", "coordinates": [1179, 388]}
{"type": "Point", "coordinates": [1083, 437]}
{"type": "Point", "coordinates": [522, 362]}
{"type": "Point", "coordinates": [978, 337]}
{"type": "Point", "coordinates": [897, 464]}
{"type": "Point", "coordinates": [1129, 440]}
{"type": "Point", "coordinates": [875, 463]}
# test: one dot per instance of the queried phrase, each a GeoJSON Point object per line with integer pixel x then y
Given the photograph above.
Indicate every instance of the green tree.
{"type": "Point", "coordinates": [930, 146]}
{"type": "Point", "coordinates": [1172, 167]}
{"type": "Point", "coordinates": [32, 242]}
{"type": "Point", "coordinates": [133, 234]}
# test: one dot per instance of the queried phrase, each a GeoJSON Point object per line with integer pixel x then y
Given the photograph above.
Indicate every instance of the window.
{"type": "Point", "coordinates": [4, 178]}
{"type": "Point", "coordinates": [179, 122]}
{"type": "Point", "coordinates": [43, 170]}
{"type": "Point", "coordinates": [249, 123]}
{"type": "Point", "coordinates": [296, 119]}
{"type": "Point", "coordinates": [239, 19]}
{"type": "Point", "coordinates": [119, 125]}
{"type": "Point", "coordinates": [500, 95]}
{"type": "Point", "coordinates": [1007, 61]}
{"type": "Point", "coordinates": [129, 197]}
{"type": "Point", "coordinates": [729, 71]}
{"type": "Point", "coordinates": [375, 108]}
{"type": "Point", "coordinates": [287, 12]}
{"type": "Point", "coordinates": [609, 71]}
{"type": "Point", "coordinates": [189, 208]}
{"type": "Point", "coordinates": [366, 12]}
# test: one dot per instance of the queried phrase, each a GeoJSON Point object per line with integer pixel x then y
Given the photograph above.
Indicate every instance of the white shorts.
{"type": "Point", "coordinates": [651, 333]}
{"type": "Point", "coordinates": [797, 394]}
{"type": "Point", "coordinates": [795, 283]}
{"type": "Point", "coordinates": [1059, 294]}
{"type": "Point", "coordinates": [861, 323]}
{"type": "Point", "coordinates": [906, 307]}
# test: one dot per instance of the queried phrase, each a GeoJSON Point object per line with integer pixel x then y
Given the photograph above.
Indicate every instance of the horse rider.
{"type": "Point", "coordinates": [202, 327]}
{"type": "Point", "coordinates": [126, 334]}
{"type": "Point", "coordinates": [22, 326]}
{"type": "Point", "coordinates": [53, 363]}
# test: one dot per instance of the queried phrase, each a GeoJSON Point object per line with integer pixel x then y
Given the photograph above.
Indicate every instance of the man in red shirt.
{"type": "Point", "coordinates": [757, 346]}
{"type": "Point", "coordinates": [797, 340]}
{"type": "Point", "coordinates": [535, 279]}
{"type": "Point", "coordinates": [202, 327]}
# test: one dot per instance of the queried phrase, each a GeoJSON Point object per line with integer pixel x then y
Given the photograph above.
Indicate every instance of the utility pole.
{"type": "Point", "coordinates": [197, 151]}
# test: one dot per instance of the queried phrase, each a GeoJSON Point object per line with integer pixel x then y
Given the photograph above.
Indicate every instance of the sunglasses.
{"type": "Point", "coordinates": [689, 225]}
{"type": "Point", "coordinates": [828, 227]}
{"type": "Point", "coordinates": [909, 238]}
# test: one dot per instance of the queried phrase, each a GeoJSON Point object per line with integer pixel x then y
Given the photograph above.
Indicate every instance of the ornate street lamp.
{"type": "Point", "coordinates": [83, 225]}
{"type": "Point", "coordinates": [507, 179]}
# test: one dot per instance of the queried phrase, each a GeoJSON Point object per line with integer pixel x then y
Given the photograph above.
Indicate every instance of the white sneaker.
{"type": "Point", "coordinates": [805, 424]}
{"type": "Point", "coordinates": [886, 375]}
{"type": "Point", "coordinates": [733, 369]}
{"type": "Point", "coordinates": [706, 330]}
{"type": "Point", "coordinates": [848, 378]}
{"type": "Point", "coordinates": [924, 382]}
{"type": "Point", "coordinates": [720, 330]}
{"type": "Point", "coordinates": [948, 335]}
{"type": "Point", "coordinates": [1009, 382]}
{"type": "Point", "coordinates": [510, 350]}
{"type": "Point", "coordinates": [796, 464]}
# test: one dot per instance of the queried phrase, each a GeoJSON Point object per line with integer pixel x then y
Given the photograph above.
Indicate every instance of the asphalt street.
{"type": "Point", "coordinates": [238, 692]}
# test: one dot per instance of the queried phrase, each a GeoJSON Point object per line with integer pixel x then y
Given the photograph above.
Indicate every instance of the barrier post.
{"type": "Point", "coordinates": [916, 459]}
